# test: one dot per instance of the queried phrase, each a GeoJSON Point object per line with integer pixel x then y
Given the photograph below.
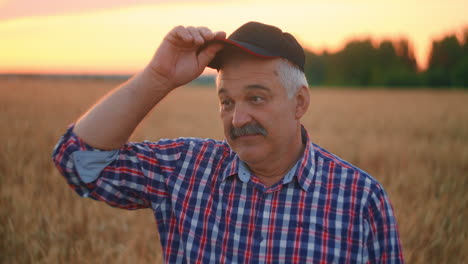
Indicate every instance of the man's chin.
{"type": "Point", "coordinates": [248, 152]}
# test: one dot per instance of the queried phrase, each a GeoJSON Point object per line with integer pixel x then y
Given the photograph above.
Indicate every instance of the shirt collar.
{"type": "Point", "coordinates": [303, 170]}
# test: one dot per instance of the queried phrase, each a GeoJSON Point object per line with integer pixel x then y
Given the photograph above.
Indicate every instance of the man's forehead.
{"type": "Point", "coordinates": [246, 80]}
{"type": "Point", "coordinates": [248, 72]}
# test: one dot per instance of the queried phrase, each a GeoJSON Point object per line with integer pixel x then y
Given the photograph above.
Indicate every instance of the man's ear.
{"type": "Point", "coordinates": [302, 101]}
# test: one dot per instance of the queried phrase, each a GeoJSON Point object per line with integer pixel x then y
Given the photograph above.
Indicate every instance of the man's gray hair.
{"type": "Point", "coordinates": [291, 77]}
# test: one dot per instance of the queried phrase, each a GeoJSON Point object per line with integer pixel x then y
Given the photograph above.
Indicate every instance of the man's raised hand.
{"type": "Point", "coordinates": [178, 60]}
{"type": "Point", "coordinates": [109, 124]}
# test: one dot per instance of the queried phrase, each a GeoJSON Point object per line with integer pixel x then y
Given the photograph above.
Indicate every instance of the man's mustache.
{"type": "Point", "coordinates": [249, 129]}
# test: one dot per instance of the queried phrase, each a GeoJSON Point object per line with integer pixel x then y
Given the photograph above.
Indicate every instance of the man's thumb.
{"type": "Point", "coordinates": [207, 54]}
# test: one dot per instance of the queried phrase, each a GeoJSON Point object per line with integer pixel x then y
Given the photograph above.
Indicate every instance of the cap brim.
{"type": "Point", "coordinates": [216, 63]}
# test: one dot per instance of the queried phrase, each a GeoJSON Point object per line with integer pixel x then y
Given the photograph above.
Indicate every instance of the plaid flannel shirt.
{"type": "Point", "coordinates": [210, 209]}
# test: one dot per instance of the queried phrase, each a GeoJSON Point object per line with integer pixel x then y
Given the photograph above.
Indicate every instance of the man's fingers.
{"type": "Point", "coordinates": [206, 33]}
{"type": "Point", "coordinates": [197, 36]}
{"type": "Point", "coordinates": [208, 53]}
{"type": "Point", "coordinates": [220, 35]}
{"type": "Point", "coordinates": [181, 32]}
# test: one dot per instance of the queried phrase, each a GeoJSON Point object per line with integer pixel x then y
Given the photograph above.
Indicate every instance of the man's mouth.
{"type": "Point", "coordinates": [248, 136]}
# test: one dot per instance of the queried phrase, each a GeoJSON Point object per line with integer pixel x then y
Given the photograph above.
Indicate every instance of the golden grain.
{"type": "Point", "coordinates": [414, 142]}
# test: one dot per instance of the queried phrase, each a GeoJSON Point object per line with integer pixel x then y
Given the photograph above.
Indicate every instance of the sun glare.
{"type": "Point", "coordinates": [122, 40]}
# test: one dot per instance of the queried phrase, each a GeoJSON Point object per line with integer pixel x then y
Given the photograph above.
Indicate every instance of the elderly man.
{"type": "Point", "coordinates": [265, 195]}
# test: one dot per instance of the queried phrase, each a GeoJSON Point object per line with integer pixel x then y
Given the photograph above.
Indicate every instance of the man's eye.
{"type": "Point", "coordinates": [257, 99]}
{"type": "Point", "coordinates": [226, 104]}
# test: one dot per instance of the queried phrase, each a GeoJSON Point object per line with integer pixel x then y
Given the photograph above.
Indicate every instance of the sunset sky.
{"type": "Point", "coordinates": [120, 36]}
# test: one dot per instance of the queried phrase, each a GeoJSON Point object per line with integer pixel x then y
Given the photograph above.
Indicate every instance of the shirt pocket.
{"type": "Point", "coordinates": [310, 230]}
{"type": "Point", "coordinates": [315, 238]}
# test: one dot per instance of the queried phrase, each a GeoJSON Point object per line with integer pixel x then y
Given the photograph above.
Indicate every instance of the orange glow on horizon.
{"type": "Point", "coordinates": [122, 40]}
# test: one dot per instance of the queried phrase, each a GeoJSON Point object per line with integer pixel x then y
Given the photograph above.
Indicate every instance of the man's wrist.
{"type": "Point", "coordinates": [156, 80]}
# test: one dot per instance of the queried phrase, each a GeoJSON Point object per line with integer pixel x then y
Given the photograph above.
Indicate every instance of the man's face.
{"type": "Point", "coordinates": [258, 117]}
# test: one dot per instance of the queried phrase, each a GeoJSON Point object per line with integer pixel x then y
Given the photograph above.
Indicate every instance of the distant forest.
{"type": "Point", "coordinates": [391, 63]}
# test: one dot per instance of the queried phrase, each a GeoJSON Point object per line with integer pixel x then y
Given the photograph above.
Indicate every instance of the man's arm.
{"type": "Point", "coordinates": [109, 123]}
{"type": "Point", "coordinates": [383, 241]}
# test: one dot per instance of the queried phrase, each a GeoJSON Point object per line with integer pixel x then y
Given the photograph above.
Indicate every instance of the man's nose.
{"type": "Point", "coordinates": [241, 116]}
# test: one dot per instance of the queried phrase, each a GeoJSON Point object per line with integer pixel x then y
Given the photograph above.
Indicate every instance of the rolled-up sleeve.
{"type": "Point", "coordinates": [89, 164]}
{"type": "Point", "coordinates": [131, 177]}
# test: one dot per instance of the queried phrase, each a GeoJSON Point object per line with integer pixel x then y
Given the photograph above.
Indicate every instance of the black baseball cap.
{"type": "Point", "coordinates": [263, 41]}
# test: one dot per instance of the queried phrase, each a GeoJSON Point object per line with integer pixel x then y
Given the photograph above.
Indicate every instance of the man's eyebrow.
{"type": "Point", "coordinates": [258, 86]}
{"type": "Point", "coordinates": [248, 87]}
{"type": "Point", "coordinates": [222, 91]}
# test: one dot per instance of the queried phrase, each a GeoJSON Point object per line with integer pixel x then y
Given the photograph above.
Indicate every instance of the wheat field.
{"type": "Point", "coordinates": [414, 142]}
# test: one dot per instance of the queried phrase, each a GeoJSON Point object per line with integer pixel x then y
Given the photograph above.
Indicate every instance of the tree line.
{"type": "Point", "coordinates": [391, 63]}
